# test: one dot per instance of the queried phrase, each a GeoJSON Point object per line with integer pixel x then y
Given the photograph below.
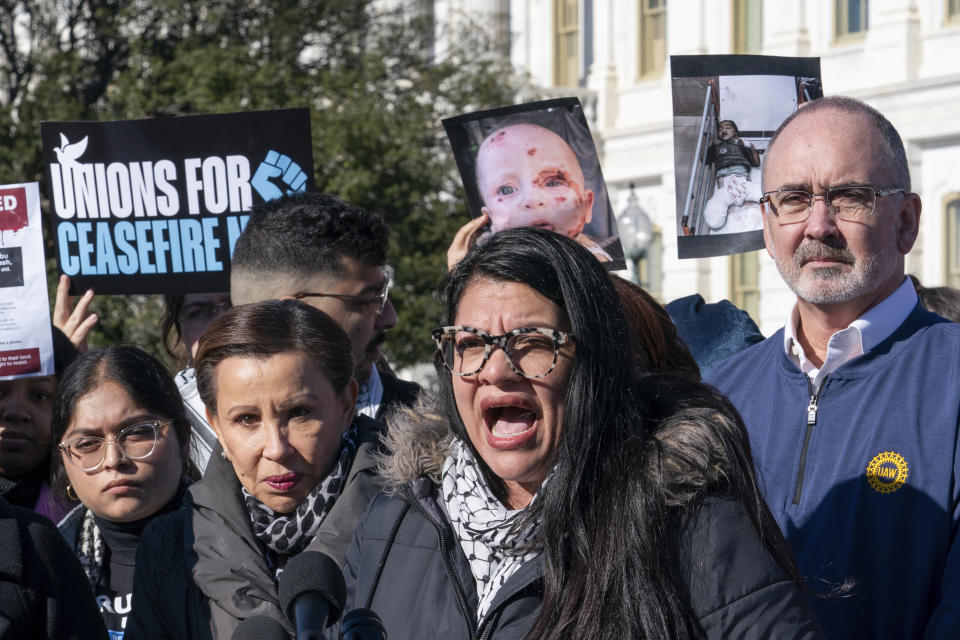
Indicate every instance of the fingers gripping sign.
{"type": "Point", "coordinates": [278, 168]}
{"type": "Point", "coordinates": [75, 321]}
{"type": "Point", "coordinates": [465, 238]}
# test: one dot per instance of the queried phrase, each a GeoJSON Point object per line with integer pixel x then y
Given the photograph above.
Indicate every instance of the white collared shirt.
{"type": "Point", "coordinates": [371, 393]}
{"type": "Point", "coordinates": [863, 334]}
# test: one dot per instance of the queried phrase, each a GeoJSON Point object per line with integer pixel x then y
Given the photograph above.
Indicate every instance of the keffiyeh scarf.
{"type": "Point", "coordinates": [90, 549]}
{"type": "Point", "coordinates": [289, 534]}
{"type": "Point", "coordinates": [482, 525]}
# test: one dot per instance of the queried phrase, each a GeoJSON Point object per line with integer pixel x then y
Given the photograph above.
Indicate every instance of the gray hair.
{"type": "Point", "coordinates": [894, 158]}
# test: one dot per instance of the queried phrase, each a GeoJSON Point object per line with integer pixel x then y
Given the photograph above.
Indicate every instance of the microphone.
{"type": "Point", "coordinates": [260, 628]}
{"type": "Point", "coordinates": [362, 624]}
{"type": "Point", "coordinates": [312, 593]}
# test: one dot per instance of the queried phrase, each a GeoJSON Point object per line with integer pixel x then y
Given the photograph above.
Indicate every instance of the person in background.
{"type": "Point", "coordinates": [943, 301]}
{"type": "Point", "coordinates": [657, 340]}
{"type": "Point", "coordinates": [26, 405]}
{"type": "Point", "coordinates": [120, 440]}
{"type": "Point", "coordinates": [293, 471]}
{"type": "Point", "coordinates": [853, 408]}
{"type": "Point", "coordinates": [713, 331]}
{"type": "Point", "coordinates": [44, 594]}
{"type": "Point", "coordinates": [560, 490]}
{"type": "Point", "coordinates": [185, 318]}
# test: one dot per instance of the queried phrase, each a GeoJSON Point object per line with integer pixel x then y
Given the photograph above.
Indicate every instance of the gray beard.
{"type": "Point", "coordinates": [831, 285]}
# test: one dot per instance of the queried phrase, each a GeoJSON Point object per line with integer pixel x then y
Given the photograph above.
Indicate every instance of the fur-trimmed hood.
{"type": "Point", "coordinates": [417, 442]}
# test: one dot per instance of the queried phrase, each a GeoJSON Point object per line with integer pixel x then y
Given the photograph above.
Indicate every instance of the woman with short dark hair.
{"type": "Point", "coordinates": [120, 441]}
{"type": "Point", "coordinates": [560, 490]}
{"type": "Point", "coordinates": [293, 469]}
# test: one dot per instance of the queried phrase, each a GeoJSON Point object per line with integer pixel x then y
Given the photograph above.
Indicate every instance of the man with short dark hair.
{"type": "Point", "coordinates": [853, 408]}
{"type": "Point", "coordinates": [332, 255]}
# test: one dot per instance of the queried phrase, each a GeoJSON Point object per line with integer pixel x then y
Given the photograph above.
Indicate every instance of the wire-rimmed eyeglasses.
{"type": "Point", "coordinates": [531, 352]}
{"type": "Point", "coordinates": [852, 202]}
{"type": "Point", "coordinates": [380, 299]}
{"type": "Point", "coordinates": [136, 442]}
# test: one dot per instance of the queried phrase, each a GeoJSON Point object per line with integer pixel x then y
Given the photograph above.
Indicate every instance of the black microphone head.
{"type": "Point", "coordinates": [312, 572]}
{"type": "Point", "coordinates": [260, 628]}
{"type": "Point", "coordinates": [362, 624]}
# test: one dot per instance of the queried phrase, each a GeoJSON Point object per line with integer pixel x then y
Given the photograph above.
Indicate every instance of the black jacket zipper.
{"type": "Point", "coordinates": [445, 554]}
{"type": "Point", "coordinates": [811, 421]}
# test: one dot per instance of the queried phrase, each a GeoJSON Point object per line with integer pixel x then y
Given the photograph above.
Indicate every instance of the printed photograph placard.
{"type": "Point", "coordinates": [156, 206]}
{"type": "Point", "coordinates": [536, 164]}
{"type": "Point", "coordinates": [725, 111]}
{"type": "Point", "coordinates": [26, 343]}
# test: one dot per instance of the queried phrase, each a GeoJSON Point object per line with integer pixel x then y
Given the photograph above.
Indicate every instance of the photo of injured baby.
{"type": "Point", "coordinates": [725, 111]}
{"type": "Point", "coordinates": [521, 167]}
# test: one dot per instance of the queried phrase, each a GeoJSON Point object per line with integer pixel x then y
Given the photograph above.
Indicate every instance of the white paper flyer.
{"type": "Point", "coordinates": [26, 343]}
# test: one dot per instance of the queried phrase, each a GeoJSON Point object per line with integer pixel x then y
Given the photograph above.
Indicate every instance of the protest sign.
{"type": "Point", "coordinates": [535, 164]}
{"type": "Point", "coordinates": [725, 110]}
{"type": "Point", "coordinates": [156, 206]}
{"type": "Point", "coordinates": [26, 343]}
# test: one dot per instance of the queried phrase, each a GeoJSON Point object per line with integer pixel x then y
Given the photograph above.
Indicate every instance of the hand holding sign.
{"type": "Point", "coordinates": [465, 238]}
{"type": "Point", "coordinates": [277, 165]}
{"type": "Point", "coordinates": [75, 322]}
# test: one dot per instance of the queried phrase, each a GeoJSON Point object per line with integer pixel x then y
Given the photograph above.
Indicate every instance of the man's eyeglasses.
{"type": "Point", "coordinates": [853, 203]}
{"type": "Point", "coordinates": [136, 442]}
{"type": "Point", "coordinates": [203, 311]}
{"type": "Point", "coordinates": [532, 352]}
{"type": "Point", "coordinates": [380, 299]}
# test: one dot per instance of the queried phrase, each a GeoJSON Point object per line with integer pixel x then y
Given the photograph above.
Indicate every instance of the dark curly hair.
{"type": "Point", "coordinates": [304, 233]}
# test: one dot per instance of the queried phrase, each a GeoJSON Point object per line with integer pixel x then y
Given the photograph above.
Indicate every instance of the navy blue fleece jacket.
{"type": "Point", "coordinates": [867, 485]}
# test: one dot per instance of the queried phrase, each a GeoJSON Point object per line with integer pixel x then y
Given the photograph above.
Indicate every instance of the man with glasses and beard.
{"type": "Point", "coordinates": [853, 407]}
{"type": "Point", "coordinates": [331, 255]}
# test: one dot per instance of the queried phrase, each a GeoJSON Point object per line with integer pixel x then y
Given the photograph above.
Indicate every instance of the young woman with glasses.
{"type": "Point", "coordinates": [120, 442]}
{"type": "Point", "coordinates": [560, 489]}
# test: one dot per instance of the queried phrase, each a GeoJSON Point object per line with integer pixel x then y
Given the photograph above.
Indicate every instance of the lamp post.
{"type": "Point", "coordinates": [636, 233]}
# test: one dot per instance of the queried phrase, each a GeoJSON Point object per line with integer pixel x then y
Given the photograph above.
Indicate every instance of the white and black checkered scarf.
{"type": "Point", "coordinates": [289, 534]}
{"type": "Point", "coordinates": [483, 525]}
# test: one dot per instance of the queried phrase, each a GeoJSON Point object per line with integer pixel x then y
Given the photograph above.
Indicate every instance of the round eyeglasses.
{"type": "Point", "coordinates": [531, 352]}
{"type": "Point", "coordinates": [136, 442]}
{"type": "Point", "coordinates": [853, 203]}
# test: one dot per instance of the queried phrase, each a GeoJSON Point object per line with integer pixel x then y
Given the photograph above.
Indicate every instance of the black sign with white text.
{"type": "Point", "coordinates": [156, 206]}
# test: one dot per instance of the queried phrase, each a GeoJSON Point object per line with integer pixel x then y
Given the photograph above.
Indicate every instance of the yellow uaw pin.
{"type": "Point", "coordinates": [887, 472]}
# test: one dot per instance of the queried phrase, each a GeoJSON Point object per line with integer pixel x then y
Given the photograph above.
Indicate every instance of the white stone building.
{"type": "Point", "coordinates": [901, 56]}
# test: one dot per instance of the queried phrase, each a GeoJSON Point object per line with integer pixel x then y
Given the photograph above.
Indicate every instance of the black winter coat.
{"type": "Point", "coordinates": [44, 592]}
{"type": "Point", "coordinates": [426, 589]}
{"type": "Point", "coordinates": [406, 564]}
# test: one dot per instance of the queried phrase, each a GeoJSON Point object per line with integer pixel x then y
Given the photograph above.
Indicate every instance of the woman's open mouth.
{"type": "Point", "coordinates": [510, 425]}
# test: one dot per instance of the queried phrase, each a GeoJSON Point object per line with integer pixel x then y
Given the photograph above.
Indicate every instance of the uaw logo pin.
{"type": "Point", "coordinates": [887, 472]}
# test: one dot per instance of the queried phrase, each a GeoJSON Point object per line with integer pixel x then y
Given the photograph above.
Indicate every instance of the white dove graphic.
{"type": "Point", "coordinates": [67, 153]}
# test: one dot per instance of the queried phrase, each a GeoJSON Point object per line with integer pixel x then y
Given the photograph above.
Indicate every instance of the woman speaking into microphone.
{"type": "Point", "coordinates": [559, 490]}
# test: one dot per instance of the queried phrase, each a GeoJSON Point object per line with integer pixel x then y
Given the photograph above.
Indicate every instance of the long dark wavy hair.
{"type": "Point", "coordinates": [638, 454]}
